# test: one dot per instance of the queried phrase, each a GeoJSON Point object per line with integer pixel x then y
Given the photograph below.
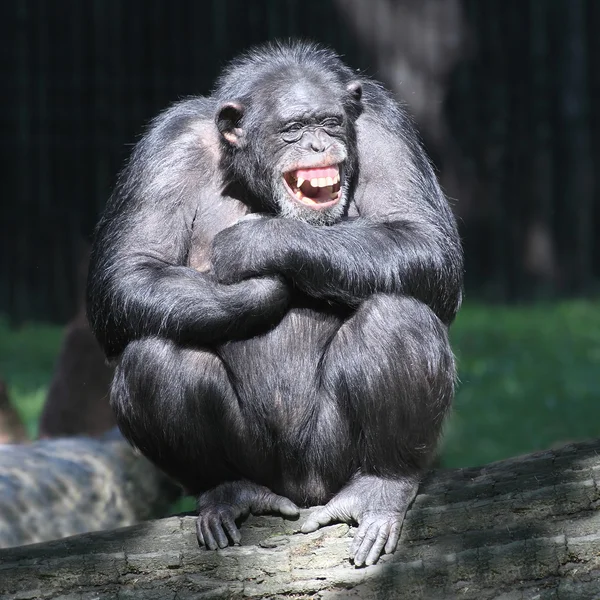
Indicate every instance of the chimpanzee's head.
{"type": "Point", "coordinates": [288, 132]}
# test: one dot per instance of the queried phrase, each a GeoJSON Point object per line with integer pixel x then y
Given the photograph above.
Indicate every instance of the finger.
{"type": "Point", "coordinates": [231, 528]}
{"type": "Point", "coordinates": [316, 520]}
{"type": "Point", "coordinates": [218, 532]}
{"type": "Point", "coordinates": [378, 544]}
{"type": "Point", "coordinates": [366, 545]}
{"type": "Point", "coordinates": [393, 538]}
{"type": "Point", "coordinates": [199, 532]}
{"type": "Point", "coordinates": [209, 540]}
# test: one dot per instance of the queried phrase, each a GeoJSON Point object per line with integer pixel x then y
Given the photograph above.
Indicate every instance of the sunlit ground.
{"type": "Point", "coordinates": [530, 378]}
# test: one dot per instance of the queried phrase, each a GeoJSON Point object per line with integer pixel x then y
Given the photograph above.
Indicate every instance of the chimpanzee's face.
{"type": "Point", "coordinates": [296, 143]}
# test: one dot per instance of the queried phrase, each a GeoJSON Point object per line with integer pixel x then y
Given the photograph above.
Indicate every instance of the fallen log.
{"type": "Point", "coordinates": [523, 528]}
{"type": "Point", "coordinates": [57, 488]}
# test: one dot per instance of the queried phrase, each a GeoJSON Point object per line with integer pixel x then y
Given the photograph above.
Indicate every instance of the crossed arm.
{"type": "Point", "coordinates": [346, 262]}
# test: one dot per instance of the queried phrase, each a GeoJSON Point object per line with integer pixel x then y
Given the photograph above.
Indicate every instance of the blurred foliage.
{"type": "Point", "coordinates": [529, 378]}
{"type": "Point", "coordinates": [27, 357]}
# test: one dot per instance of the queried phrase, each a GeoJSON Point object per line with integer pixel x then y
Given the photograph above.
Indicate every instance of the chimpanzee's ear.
{"type": "Point", "coordinates": [228, 121]}
{"type": "Point", "coordinates": [353, 102]}
{"type": "Point", "coordinates": [354, 89]}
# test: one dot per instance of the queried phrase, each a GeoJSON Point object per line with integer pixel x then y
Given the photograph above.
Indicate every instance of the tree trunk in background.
{"type": "Point", "coordinates": [415, 45]}
{"type": "Point", "coordinates": [524, 528]}
{"type": "Point", "coordinates": [78, 397]}
{"type": "Point", "coordinates": [540, 254]}
{"type": "Point", "coordinates": [575, 175]}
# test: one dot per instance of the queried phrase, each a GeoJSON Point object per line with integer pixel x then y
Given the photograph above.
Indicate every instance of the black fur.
{"type": "Point", "coordinates": [300, 354]}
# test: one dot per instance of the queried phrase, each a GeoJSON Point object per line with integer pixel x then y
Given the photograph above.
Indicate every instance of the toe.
{"type": "Point", "coordinates": [216, 528]}
{"type": "Point", "coordinates": [365, 543]}
{"type": "Point", "coordinates": [231, 528]}
{"type": "Point", "coordinates": [317, 519]}
{"type": "Point", "coordinates": [392, 542]}
{"type": "Point", "coordinates": [209, 540]}
{"type": "Point", "coordinates": [199, 532]}
{"type": "Point", "coordinates": [286, 507]}
{"type": "Point", "coordinates": [378, 544]}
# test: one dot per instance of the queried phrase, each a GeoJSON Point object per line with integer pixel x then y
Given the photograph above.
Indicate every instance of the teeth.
{"type": "Point", "coordinates": [299, 194]}
{"type": "Point", "coordinates": [319, 182]}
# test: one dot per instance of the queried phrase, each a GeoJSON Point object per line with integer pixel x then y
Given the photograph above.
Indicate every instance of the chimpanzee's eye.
{"type": "Point", "coordinates": [293, 128]}
{"type": "Point", "coordinates": [331, 122]}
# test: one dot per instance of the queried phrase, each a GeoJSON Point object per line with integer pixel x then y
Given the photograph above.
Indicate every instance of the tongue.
{"type": "Point", "coordinates": [317, 194]}
{"type": "Point", "coordinates": [316, 173]}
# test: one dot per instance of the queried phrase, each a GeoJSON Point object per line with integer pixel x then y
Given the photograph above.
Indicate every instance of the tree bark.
{"type": "Point", "coordinates": [56, 488]}
{"type": "Point", "coordinates": [522, 528]}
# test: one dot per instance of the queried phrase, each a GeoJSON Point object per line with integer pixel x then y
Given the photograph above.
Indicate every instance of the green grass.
{"type": "Point", "coordinates": [530, 378]}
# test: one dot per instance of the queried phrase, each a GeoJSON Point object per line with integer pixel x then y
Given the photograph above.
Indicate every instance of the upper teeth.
{"type": "Point", "coordinates": [320, 182]}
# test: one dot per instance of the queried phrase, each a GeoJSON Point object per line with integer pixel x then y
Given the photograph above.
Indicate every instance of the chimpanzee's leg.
{"type": "Point", "coordinates": [392, 370]}
{"type": "Point", "coordinates": [177, 405]}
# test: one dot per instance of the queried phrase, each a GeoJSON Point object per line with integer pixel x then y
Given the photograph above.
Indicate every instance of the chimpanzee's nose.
{"type": "Point", "coordinates": [315, 142]}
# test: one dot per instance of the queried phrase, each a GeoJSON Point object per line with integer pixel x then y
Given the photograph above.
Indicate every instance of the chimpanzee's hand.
{"type": "Point", "coordinates": [241, 251]}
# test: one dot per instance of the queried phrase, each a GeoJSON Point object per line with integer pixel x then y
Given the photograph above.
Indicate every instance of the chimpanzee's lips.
{"type": "Point", "coordinates": [316, 188]}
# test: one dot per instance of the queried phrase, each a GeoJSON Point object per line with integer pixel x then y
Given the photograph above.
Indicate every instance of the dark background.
{"type": "Point", "coordinates": [506, 94]}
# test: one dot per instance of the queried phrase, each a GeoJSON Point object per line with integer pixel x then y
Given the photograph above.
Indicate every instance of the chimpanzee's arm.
{"type": "Point", "coordinates": [404, 240]}
{"type": "Point", "coordinates": [139, 284]}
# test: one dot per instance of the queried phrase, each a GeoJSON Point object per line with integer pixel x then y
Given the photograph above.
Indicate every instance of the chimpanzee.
{"type": "Point", "coordinates": [275, 275]}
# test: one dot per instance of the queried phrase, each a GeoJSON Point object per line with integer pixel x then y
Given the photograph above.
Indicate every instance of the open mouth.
{"type": "Point", "coordinates": [317, 188]}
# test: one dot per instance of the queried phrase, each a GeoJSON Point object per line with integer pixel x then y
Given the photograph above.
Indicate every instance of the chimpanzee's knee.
{"type": "Point", "coordinates": [392, 367]}
{"type": "Point", "coordinates": [163, 396]}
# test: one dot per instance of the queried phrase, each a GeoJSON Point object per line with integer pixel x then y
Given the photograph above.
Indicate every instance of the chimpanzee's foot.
{"type": "Point", "coordinates": [219, 508]}
{"type": "Point", "coordinates": [378, 505]}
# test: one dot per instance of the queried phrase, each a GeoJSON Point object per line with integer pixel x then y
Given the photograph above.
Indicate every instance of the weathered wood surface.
{"type": "Point", "coordinates": [56, 488]}
{"type": "Point", "coordinates": [525, 528]}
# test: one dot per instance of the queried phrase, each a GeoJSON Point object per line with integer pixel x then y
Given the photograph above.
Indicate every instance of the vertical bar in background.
{"type": "Point", "coordinates": [275, 23]}
{"type": "Point", "coordinates": [136, 49]}
{"type": "Point", "coordinates": [47, 267]}
{"type": "Point", "coordinates": [158, 51]}
{"type": "Point", "coordinates": [292, 18]}
{"type": "Point", "coordinates": [593, 52]}
{"type": "Point", "coordinates": [72, 160]}
{"type": "Point", "coordinates": [540, 255]}
{"type": "Point", "coordinates": [112, 24]}
{"type": "Point", "coordinates": [575, 126]}
{"type": "Point", "coordinates": [178, 31]}
{"type": "Point", "coordinates": [490, 21]}
{"type": "Point", "coordinates": [16, 274]}
{"type": "Point", "coordinates": [517, 80]}
{"type": "Point", "coordinates": [26, 160]}
{"type": "Point", "coordinates": [218, 10]}
{"type": "Point", "coordinates": [103, 123]}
